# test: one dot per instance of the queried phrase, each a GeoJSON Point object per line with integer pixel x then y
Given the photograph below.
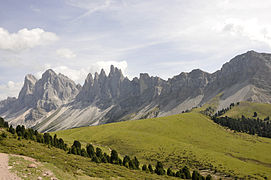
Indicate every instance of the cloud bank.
{"type": "Point", "coordinates": [10, 89]}
{"type": "Point", "coordinates": [25, 39]}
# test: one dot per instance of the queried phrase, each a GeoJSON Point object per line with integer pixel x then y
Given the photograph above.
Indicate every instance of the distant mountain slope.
{"type": "Point", "coordinates": [54, 102]}
{"type": "Point", "coordinates": [187, 138]}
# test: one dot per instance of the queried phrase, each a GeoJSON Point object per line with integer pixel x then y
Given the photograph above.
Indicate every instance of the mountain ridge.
{"type": "Point", "coordinates": [55, 102]}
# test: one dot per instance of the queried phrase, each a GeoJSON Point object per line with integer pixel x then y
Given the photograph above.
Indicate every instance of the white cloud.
{"type": "Point", "coordinates": [251, 29]}
{"type": "Point", "coordinates": [106, 65]}
{"type": "Point", "coordinates": [25, 39]}
{"type": "Point", "coordinates": [65, 53]}
{"type": "Point", "coordinates": [11, 89]}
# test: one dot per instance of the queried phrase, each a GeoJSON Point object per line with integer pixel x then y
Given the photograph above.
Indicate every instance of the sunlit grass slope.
{"type": "Point", "coordinates": [188, 138]}
{"type": "Point", "coordinates": [248, 108]}
{"type": "Point", "coordinates": [67, 166]}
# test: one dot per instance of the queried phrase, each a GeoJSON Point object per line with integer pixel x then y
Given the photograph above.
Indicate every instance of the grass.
{"type": "Point", "coordinates": [63, 165]}
{"type": "Point", "coordinates": [248, 108]}
{"type": "Point", "coordinates": [20, 167]}
{"type": "Point", "coordinates": [187, 139]}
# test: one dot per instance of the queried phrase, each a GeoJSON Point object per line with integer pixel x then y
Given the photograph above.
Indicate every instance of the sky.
{"type": "Point", "coordinates": [162, 38]}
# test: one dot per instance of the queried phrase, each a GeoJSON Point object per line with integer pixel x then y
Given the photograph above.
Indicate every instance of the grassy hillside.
{"type": "Point", "coordinates": [248, 108]}
{"type": "Point", "coordinates": [62, 165]}
{"type": "Point", "coordinates": [188, 138]}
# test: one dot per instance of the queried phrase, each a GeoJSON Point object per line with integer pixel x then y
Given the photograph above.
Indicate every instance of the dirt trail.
{"type": "Point", "coordinates": [5, 174]}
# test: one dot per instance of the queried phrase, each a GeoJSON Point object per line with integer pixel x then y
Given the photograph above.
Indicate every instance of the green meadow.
{"type": "Point", "coordinates": [248, 108]}
{"type": "Point", "coordinates": [186, 139]}
{"type": "Point", "coordinates": [62, 165]}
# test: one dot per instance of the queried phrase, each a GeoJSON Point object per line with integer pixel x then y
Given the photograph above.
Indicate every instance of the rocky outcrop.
{"type": "Point", "coordinates": [55, 102]}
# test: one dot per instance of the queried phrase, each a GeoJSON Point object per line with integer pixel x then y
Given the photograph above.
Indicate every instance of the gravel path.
{"type": "Point", "coordinates": [4, 169]}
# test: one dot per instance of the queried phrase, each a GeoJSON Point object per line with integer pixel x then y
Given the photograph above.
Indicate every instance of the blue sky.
{"type": "Point", "coordinates": [162, 38]}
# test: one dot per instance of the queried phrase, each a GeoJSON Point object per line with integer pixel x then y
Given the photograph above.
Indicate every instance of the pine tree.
{"type": "Point", "coordinates": [99, 153]}
{"type": "Point", "coordinates": [90, 150]}
{"type": "Point", "coordinates": [126, 161]}
{"type": "Point", "coordinates": [96, 159]}
{"type": "Point", "coordinates": [150, 168]}
{"type": "Point", "coordinates": [84, 153]}
{"type": "Point", "coordinates": [132, 165]}
{"type": "Point", "coordinates": [169, 172]}
{"type": "Point", "coordinates": [73, 150]}
{"type": "Point", "coordinates": [136, 162]}
{"type": "Point", "coordinates": [120, 162]}
{"type": "Point", "coordinates": [11, 130]}
{"type": "Point", "coordinates": [144, 167]}
{"type": "Point", "coordinates": [195, 175]}
{"type": "Point", "coordinates": [104, 159]}
{"type": "Point", "coordinates": [159, 169]}
{"type": "Point", "coordinates": [186, 172]}
{"type": "Point", "coordinates": [114, 157]}
{"type": "Point", "coordinates": [178, 174]}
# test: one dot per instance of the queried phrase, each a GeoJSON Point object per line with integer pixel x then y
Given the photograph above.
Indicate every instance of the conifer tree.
{"type": "Point", "coordinates": [159, 169]}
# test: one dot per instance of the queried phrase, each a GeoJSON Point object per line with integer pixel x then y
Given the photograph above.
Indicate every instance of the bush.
{"type": "Point", "coordinates": [208, 177]}
{"type": "Point", "coordinates": [4, 135]}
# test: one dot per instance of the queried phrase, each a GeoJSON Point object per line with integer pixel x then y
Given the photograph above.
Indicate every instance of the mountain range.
{"type": "Point", "coordinates": [55, 102]}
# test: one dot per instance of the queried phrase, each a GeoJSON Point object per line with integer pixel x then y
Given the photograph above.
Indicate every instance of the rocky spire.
{"type": "Point", "coordinates": [28, 87]}
{"type": "Point", "coordinates": [26, 94]}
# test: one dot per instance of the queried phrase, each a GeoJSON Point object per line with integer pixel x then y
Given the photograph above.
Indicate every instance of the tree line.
{"type": "Point", "coordinates": [247, 125]}
{"type": "Point", "coordinates": [244, 124]}
{"type": "Point", "coordinates": [96, 154]}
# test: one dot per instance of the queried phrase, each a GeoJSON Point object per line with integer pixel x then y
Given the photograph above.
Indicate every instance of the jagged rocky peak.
{"type": "Point", "coordinates": [89, 80]}
{"type": "Point", "coordinates": [52, 90]}
{"type": "Point", "coordinates": [197, 76]}
{"type": "Point", "coordinates": [102, 74]}
{"type": "Point", "coordinates": [250, 59]}
{"type": "Point", "coordinates": [242, 68]}
{"type": "Point", "coordinates": [85, 93]}
{"type": "Point", "coordinates": [144, 76]}
{"type": "Point", "coordinates": [197, 72]}
{"type": "Point", "coordinates": [147, 83]}
{"type": "Point", "coordinates": [48, 74]}
{"type": "Point", "coordinates": [31, 78]}
{"type": "Point", "coordinates": [144, 82]}
{"type": "Point", "coordinates": [28, 87]}
{"type": "Point", "coordinates": [115, 72]}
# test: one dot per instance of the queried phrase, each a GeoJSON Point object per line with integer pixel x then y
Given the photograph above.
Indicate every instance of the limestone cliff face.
{"type": "Point", "coordinates": [250, 71]}
{"type": "Point", "coordinates": [55, 102]}
{"type": "Point", "coordinates": [53, 90]}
